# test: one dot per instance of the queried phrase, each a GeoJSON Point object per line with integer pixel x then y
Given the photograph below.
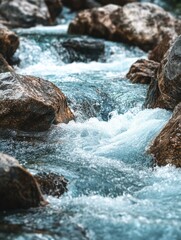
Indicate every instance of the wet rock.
{"type": "Point", "coordinates": [116, 2]}
{"type": "Point", "coordinates": [95, 22]}
{"type": "Point", "coordinates": [83, 50]}
{"type": "Point", "coordinates": [9, 42]}
{"type": "Point", "coordinates": [18, 188]}
{"type": "Point", "coordinates": [51, 184]}
{"type": "Point", "coordinates": [161, 49]}
{"type": "Point", "coordinates": [141, 24]}
{"type": "Point", "coordinates": [31, 104]}
{"type": "Point", "coordinates": [77, 5]}
{"type": "Point", "coordinates": [166, 148]}
{"type": "Point", "coordinates": [54, 8]}
{"type": "Point", "coordinates": [165, 90]}
{"type": "Point", "coordinates": [142, 71]}
{"type": "Point", "coordinates": [24, 13]}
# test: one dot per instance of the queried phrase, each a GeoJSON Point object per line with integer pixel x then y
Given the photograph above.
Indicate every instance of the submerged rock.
{"type": "Point", "coordinates": [142, 71]}
{"type": "Point", "coordinates": [31, 104]}
{"type": "Point", "coordinates": [51, 184]}
{"type": "Point", "coordinates": [166, 148]}
{"type": "Point", "coordinates": [83, 50]}
{"type": "Point", "coordinates": [18, 188]}
{"type": "Point", "coordinates": [9, 42]}
{"type": "Point", "coordinates": [141, 24]}
{"type": "Point", "coordinates": [165, 90]}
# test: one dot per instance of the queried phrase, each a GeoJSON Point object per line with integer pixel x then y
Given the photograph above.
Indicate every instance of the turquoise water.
{"type": "Point", "coordinates": [114, 192]}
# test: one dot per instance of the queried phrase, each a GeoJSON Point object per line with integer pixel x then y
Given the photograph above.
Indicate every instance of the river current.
{"type": "Point", "coordinates": [114, 193]}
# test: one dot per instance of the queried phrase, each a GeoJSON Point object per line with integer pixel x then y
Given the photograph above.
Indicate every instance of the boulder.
{"type": "Point", "coordinates": [24, 13]}
{"type": "Point", "coordinates": [54, 8]}
{"type": "Point", "coordinates": [51, 183]}
{"type": "Point", "coordinates": [142, 71]}
{"type": "Point", "coordinates": [9, 42]}
{"type": "Point", "coordinates": [165, 90]}
{"type": "Point", "coordinates": [31, 104]}
{"type": "Point", "coordinates": [77, 5]}
{"type": "Point", "coordinates": [18, 188]}
{"type": "Point", "coordinates": [116, 2]}
{"type": "Point", "coordinates": [82, 50]}
{"type": "Point", "coordinates": [141, 24]}
{"type": "Point", "coordinates": [161, 49]}
{"type": "Point", "coordinates": [94, 22]}
{"type": "Point", "coordinates": [166, 148]}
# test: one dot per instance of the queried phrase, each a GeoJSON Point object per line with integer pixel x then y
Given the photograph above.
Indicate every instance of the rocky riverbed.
{"type": "Point", "coordinates": [90, 107]}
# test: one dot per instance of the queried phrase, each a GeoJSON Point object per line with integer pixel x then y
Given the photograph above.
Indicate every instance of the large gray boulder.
{"type": "Point", "coordinates": [18, 188]}
{"type": "Point", "coordinates": [31, 104]}
{"type": "Point", "coordinates": [28, 13]}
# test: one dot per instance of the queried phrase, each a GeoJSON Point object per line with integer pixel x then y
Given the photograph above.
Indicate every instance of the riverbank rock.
{"type": "Point", "coordinates": [141, 24]}
{"type": "Point", "coordinates": [76, 5]}
{"type": "Point", "coordinates": [54, 8]}
{"type": "Point", "coordinates": [51, 184]}
{"type": "Point", "coordinates": [28, 13]}
{"type": "Point", "coordinates": [166, 148]}
{"type": "Point", "coordinates": [31, 104]}
{"type": "Point", "coordinates": [9, 43]}
{"type": "Point", "coordinates": [116, 2]}
{"type": "Point", "coordinates": [157, 54]}
{"type": "Point", "coordinates": [18, 188]}
{"type": "Point", "coordinates": [82, 50]}
{"type": "Point", "coordinates": [165, 90]}
{"type": "Point", "coordinates": [142, 71]}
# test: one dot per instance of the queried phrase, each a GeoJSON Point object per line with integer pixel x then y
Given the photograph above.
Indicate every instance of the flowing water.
{"type": "Point", "coordinates": [114, 191]}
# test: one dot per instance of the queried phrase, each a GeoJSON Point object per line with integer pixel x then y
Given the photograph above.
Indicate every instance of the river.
{"type": "Point", "coordinates": [114, 192]}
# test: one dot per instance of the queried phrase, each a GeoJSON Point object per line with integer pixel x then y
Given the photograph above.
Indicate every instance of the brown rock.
{"type": "Point", "coordinates": [142, 71]}
{"type": "Point", "coordinates": [165, 90]}
{"type": "Point", "coordinates": [54, 8]}
{"type": "Point", "coordinates": [77, 5]}
{"type": "Point", "coordinates": [18, 188]}
{"type": "Point", "coordinates": [141, 24]}
{"type": "Point", "coordinates": [9, 42]}
{"type": "Point", "coordinates": [31, 104]}
{"type": "Point", "coordinates": [51, 184]}
{"type": "Point", "coordinates": [116, 2]}
{"type": "Point", "coordinates": [95, 22]}
{"type": "Point", "coordinates": [166, 148]}
{"type": "Point", "coordinates": [161, 49]}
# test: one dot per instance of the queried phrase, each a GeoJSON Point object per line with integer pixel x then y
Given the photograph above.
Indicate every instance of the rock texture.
{"type": "Point", "coordinates": [157, 54]}
{"type": "Point", "coordinates": [28, 13]}
{"type": "Point", "coordinates": [51, 184]}
{"type": "Point", "coordinates": [18, 188]}
{"type": "Point", "coordinates": [116, 2]}
{"type": "Point", "coordinates": [77, 5]}
{"type": "Point", "coordinates": [82, 50]}
{"type": "Point", "coordinates": [142, 71]}
{"type": "Point", "coordinates": [165, 90]}
{"type": "Point", "coordinates": [31, 104]}
{"type": "Point", "coordinates": [9, 42]}
{"type": "Point", "coordinates": [54, 8]}
{"type": "Point", "coordinates": [166, 148]}
{"type": "Point", "coordinates": [141, 24]}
